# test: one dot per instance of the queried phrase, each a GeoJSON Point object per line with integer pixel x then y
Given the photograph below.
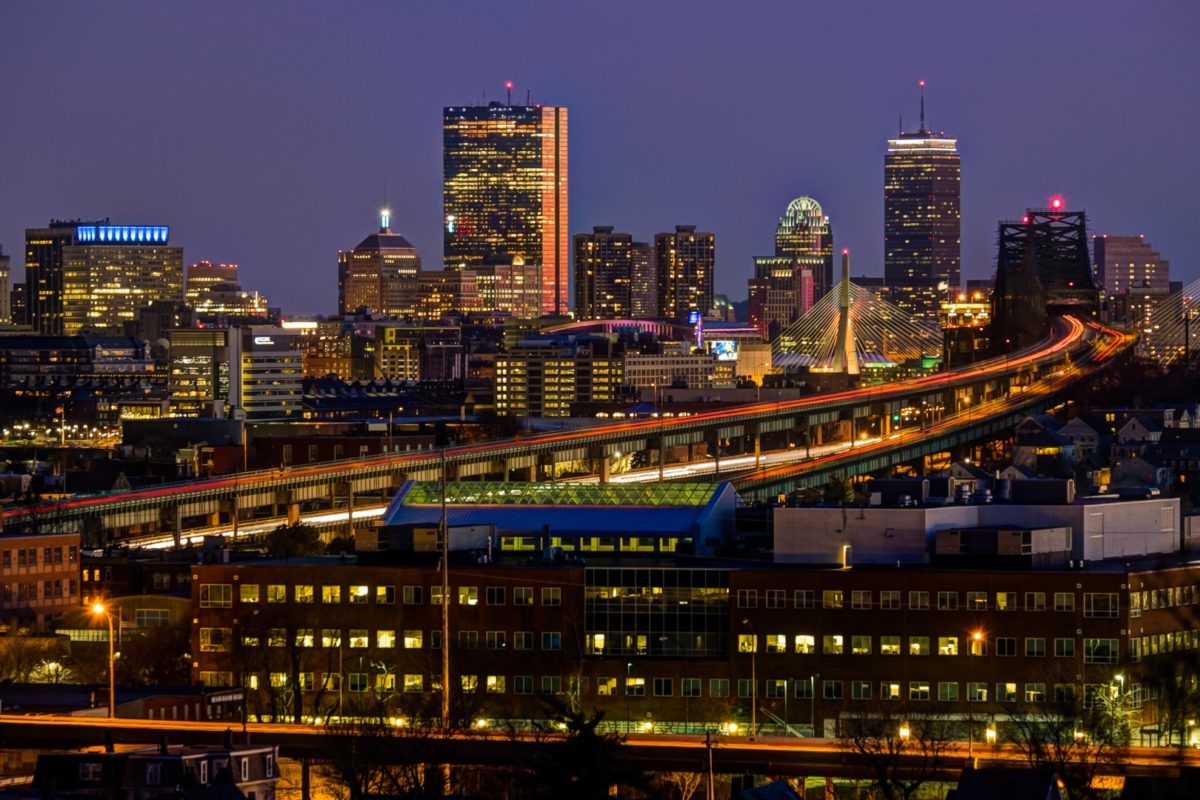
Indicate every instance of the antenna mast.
{"type": "Point", "coordinates": [922, 85]}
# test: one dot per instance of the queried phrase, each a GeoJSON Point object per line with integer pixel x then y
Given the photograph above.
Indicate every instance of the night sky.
{"type": "Point", "coordinates": [267, 133]}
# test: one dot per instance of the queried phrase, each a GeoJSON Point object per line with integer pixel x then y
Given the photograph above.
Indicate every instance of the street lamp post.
{"type": "Point", "coordinates": [753, 680]}
{"type": "Point", "coordinates": [99, 609]}
{"type": "Point", "coordinates": [976, 638]}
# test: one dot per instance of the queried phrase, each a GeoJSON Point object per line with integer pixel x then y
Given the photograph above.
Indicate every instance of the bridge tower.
{"type": "Point", "coordinates": [845, 353]}
{"type": "Point", "coordinates": [1018, 300]}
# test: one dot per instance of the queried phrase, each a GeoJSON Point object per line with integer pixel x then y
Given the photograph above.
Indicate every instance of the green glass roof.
{"type": "Point", "coordinates": [496, 493]}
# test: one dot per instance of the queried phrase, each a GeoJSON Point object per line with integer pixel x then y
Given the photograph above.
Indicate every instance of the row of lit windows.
{"type": "Point", "coordinates": [837, 644]}
{"type": "Point", "coordinates": [220, 595]}
{"type": "Point", "coordinates": [221, 640]}
{"type": "Point", "coordinates": [1095, 604]}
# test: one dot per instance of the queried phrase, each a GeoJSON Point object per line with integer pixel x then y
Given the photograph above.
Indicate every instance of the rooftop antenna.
{"type": "Point", "coordinates": [922, 85]}
{"type": "Point", "coordinates": [528, 99]}
{"type": "Point", "coordinates": [508, 91]}
{"type": "Point", "coordinates": [900, 123]}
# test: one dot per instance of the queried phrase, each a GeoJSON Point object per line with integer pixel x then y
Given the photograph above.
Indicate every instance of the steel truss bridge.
{"type": "Point", "coordinates": [912, 418]}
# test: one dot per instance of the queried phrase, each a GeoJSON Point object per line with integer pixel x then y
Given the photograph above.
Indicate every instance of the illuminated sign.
{"type": "Point", "coordinates": [693, 317]}
{"type": "Point", "coordinates": [724, 349]}
{"type": "Point", "coordinates": [263, 340]}
{"type": "Point", "coordinates": [449, 223]}
{"type": "Point", "coordinates": [122, 234]}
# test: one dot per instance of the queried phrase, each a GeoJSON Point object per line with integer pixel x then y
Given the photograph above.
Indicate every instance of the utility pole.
{"type": "Point", "coordinates": [710, 790]}
{"type": "Point", "coordinates": [445, 534]}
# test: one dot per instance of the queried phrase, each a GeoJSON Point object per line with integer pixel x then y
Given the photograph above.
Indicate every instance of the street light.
{"type": "Point", "coordinates": [905, 732]}
{"type": "Point", "coordinates": [753, 680]}
{"type": "Point", "coordinates": [99, 609]}
{"type": "Point", "coordinates": [976, 638]}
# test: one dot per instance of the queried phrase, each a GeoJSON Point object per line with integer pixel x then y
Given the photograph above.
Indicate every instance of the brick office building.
{"type": "Point", "coordinates": [39, 578]}
{"type": "Point", "coordinates": [674, 643]}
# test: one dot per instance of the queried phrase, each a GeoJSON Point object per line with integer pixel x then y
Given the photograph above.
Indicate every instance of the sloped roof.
{"type": "Point", "coordinates": [385, 241]}
{"type": "Point", "coordinates": [1006, 784]}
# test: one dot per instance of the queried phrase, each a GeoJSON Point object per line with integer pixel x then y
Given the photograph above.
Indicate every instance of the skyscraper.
{"type": "Point", "coordinates": [604, 273]}
{"type": "Point", "coordinates": [380, 275]}
{"type": "Point", "coordinates": [111, 272]}
{"type": "Point", "coordinates": [504, 190]}
{"type": "Point", "coordinates": [643, 293]}
{"type": "Point", "coordinates": [786, 284]}
{"type": "Point", "coordinates": [684, 262]}
{"type": "Point", "coordinates": [5, 307]}
{"type": "Point", "coordinates": [921, 176]}
{"type": "Point", "coordinates": [1135, 280]}
{"type": "Point", "coordinates": [44, 272]}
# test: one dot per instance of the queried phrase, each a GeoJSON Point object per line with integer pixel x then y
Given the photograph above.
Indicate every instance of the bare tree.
{"type": "Point", "coordinates": [681, 785]}
{"type": "Point", "coordinates": [903, 745]}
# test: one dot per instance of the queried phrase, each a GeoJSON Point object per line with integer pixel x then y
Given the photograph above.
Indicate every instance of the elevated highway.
{"type": "Point", "coordinates": [928, 412]}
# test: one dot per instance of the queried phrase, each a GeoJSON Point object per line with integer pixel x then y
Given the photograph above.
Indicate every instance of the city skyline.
{"type": "Point", "coordinates": [254, 139]}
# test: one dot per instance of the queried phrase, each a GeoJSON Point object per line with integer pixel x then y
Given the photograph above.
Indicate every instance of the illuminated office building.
{"type": "Point", "coordinates": [213, 291]}
{"type": "Point", "coordinates": [606, 267]}
{"type": "Point", "coordinates": [921, 176]}
{"type": "Point", "coordinates": [448, 291]}
{"type": "Point", "coordinates": [1136, 282]}
{"type": "Point", "coordinates": [44, 272]}
{"type": "Point", "coordinates": [787, 284]}
{"type": "Point", "coordinates": [198, 372]}
{"type": "Point", "coordinates": [505, 191]}
{"type": "Point", "coordinates": [684, 262]}
{"type": "Point", "coordinates": [265, 372]}
{"type": "Point", "coordinates": [111, 272]}
{"type": "Point", "coordinates": [544, 376]}
{"type": "Point", "coordinates": [508, 285]}
{"type": "Point", "coordinates": [5, 298]}
{"type": "Point", "coordinates": [203, 276]}
{"type": "Point", "coordinates": [379, 276]}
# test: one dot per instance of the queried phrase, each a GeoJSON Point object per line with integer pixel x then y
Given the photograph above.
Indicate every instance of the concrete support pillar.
{"type": "Point", "coordinates": [757, 447]}
{"type": "Point", "coordinates": [214, 519]}
{"type": "Point", "coordinates": [818, 434]}
{"type": "Point", "coordinates": [885, 423]}
{"type": "Point", "coordinates": [293, 514]}
{"type": "Point", "coordinates": [177, 524]}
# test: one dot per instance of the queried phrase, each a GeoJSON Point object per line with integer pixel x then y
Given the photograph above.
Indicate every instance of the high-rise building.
{"type": "Point", "coordinates": [921, 177]}
{"type": "Point", "coordinates": [504, 190]}
{"type": "Point", "coordinates": [198, 373]}
{"type": "Point", "coordinates": [379, 276]}
{"type": "Point", "coordinates": [19, 308]}
{"type": "Point", "coordinates": [544, 376]}
{"type": "Point", "coordinates": [684, 262]}
{"type": "Point", "coordinates": [787, 284]}
{"type": "Point", "coordinates": [643, 292]}
{"type": "Point", "coordinates": [265, 372]}
{"type": "Point", "coordinates": [604, 273]}
{"type": "Point", "coordinates": [203, 276]}
{"type": "Point", "coordinates": [1135, 280]}
{"type": "Point", "coordinates": [5, 297]}
{"type": "Point", "coordinates": [112, 272]}
{"type": "Point", "coordinates": [509, 285]}
{"type": "Point", "coordinates": [213, 291]}
{"type": "Point", "coordinates": [44, 271]}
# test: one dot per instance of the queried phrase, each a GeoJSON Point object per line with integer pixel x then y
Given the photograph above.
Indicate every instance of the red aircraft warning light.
{"type": "Point", "coordinates": [1056, 203]}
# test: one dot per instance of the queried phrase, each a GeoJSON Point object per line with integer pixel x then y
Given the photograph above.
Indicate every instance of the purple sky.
{"type": "Point", "coordinates": [265, 133]}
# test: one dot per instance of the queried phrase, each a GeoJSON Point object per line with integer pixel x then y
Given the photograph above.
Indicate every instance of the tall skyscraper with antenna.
{"type": "Point", "coordinates": [921, 185]}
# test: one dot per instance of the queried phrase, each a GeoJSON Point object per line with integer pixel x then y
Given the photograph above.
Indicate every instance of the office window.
{"type": "Point", "coordinates": [304, 637]}
{"type": "Point", "coordinates": [775, 688]}
{"type": "Point", "coordinates": [1006, 601]}
{"type": "Point", "coordinates": [216, 595]}
{"type": "Point", "coordinates": [635, 687]}
{"type": "Point", "coordinates": [718, 687]}
{"type": "Point", "coordinates": [523, 640]}
{"type": "Point", "coordinates": [495, 640]}
{"type": "Point", "coordinates": [357, 681]}
{"type": "Point", "coordinates": [385, 683]}
{"type": "Point", "coordinates": [747, 598]}
{"type": "Point", "coordinates": [889, 690]}
{"type": "Point", "coordinates": [331, 594]}
{"type": "Point", "coordinates": [948, 691]}
{"type": "Point", "coordinates": [303, 593]}
{"type": "Point", "coordinates": [606, 687]}
{"type": "Point", "coordinates": [1035, 647]}
{"type": "Point", "coordinates": [918, 645]}
{"type": "Point", "coordinates": [1103, 605]}
{"type": "Point", "coordinates": [747, 643]}
{"type": "Point", "coordinates": [468, 595]}
{"type": "Point", "coordinates": [1035, 601]}
{"type": "Point", "coordinates": [414, 639]}
{"type": "Point", "coordinates": [689, 687]}
{"type": "Point", "coordinates": [833, 645]}
{"type": "Point", "coordinates": [947, 601]}
{"type": "Point", "coordinates": [1035, 693]}
{"type": "Point", "coordinates": [385, 640]}
{"type": "Point", "coordinates": [776, 643]}
{"type": "Point", "coordinates": [889, 600]}
{"type": "Point", "coordinates": [414, 595]}
{"type": "Point", "coordinates": [1006, 692]}
{"type": "Point", "coordinates": [358, 638]}
{"type": "Point", "coordinates": [468, 640]}
{"type": "Point", "coordinates": [331, 637]}
{"type": "Point", "coordinates": [831, 598]}
{"type": "Point", "coordinates": [151, 617]}
{"type": "Point", "coordinates": [551, 640]}
{"type": "Point", "coordinates": [551, 684]}
{"type": "Point", "coordinates": [551, 596]}
{"type": "Point", "coordinates": [1100, 651]}
{"type": "Point", "coordinates": [522, 684]}
{"type": "Point", "coordinates": [1064, 601]}
{"type": "Point", "coordinates": [860, 600]}
{"type": "Point", "coordinates": [860, 645]}
{"type": "Point", "coordinates": [1006, 646]}
{"type": "Point", "coordinates": [359, 594]}
{"type": "Point", "coordinates": [663, 687]}
{"type": "Point", "coordinates": [1064, 693]}
{"type": "Point", "coordinates": [495, 595]}
{"type": "Point", "coordinates": [977, 601]}
{"type": "Point", "coordinates": [776, 598]}
{"type": "Point", "coordinates": [494, 684]}
{"type": "Point", "coordinates": [745, 688]}
{"type": "Point", "coordinates": [523, 596]}
{"type": "Point", "coordinates": [918, 601]}
{"type": "Point", "coordinates": [276, 593]}
{"type": "Point", "coordinates": [802, 688]}
{"type": "Point", "coordinates": [918, 690]}
{"type": "Point", "coordinates": [385, 595]}
{"type": "Point", "coordinates": [414, 682]}
{"type": "Point", "coordinates": [889, 645]}
{"type": "Point", "coordinates": [1064, 648]}
{"type": "Point", "coordinates": [247, 593]}
{"type": "Point", "coordinates": [469, 683]}
{"type": "Point", "coordinates": [277, 637]}
{"type": "Point", "coordinates": [860, 690]}
{"type": "Point", "coordinates": [977, 692]}
{"type": "Point", "coordinates": [805, 644]}
{"type": "Point", "coordinates": [804, 598]}
{"type": "Point", "coordinates": [216, 640]}
{"type": "Point", "coordinates": [831, 690]}
{"type": "Point", "coordinates": [947, 645]}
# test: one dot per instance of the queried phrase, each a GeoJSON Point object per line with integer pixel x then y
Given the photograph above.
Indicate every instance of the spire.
{"type": "Point", "coordinates": [385, 220]}
{"type": "Point", "coordinates": [922, 85]}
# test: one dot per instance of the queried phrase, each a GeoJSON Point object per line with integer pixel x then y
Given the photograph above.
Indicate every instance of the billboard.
{"type": "Point", "coordinates": [724, 349]}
